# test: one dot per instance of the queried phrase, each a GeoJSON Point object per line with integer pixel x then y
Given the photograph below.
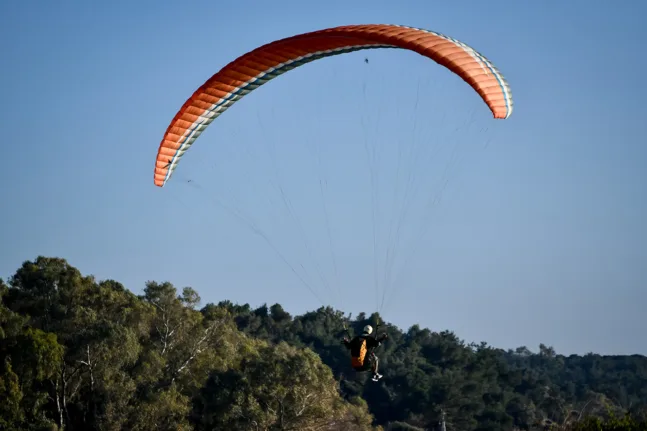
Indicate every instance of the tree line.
{"type": "Point", "coordinates": [78, 353]}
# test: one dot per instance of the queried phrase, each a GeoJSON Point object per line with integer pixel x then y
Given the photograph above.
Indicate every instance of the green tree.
{"type": "Point", "coordinates": [28, 359]}
{"type": "Point", "coordinates": [277, 387]}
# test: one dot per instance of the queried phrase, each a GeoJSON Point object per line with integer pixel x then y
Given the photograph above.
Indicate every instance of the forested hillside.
{"type": "Point", "coordinates": [79, 353]}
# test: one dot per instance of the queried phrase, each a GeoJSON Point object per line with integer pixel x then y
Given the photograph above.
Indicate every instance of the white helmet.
{"type": "Point", "coordinates": [368, 329]}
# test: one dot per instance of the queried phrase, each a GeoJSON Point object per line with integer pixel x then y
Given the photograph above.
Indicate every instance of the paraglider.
{"type": "Point", "coordinates": [362, 350]}
{"type": "Point", "coordinates": [251, 70]}
{"type": "Point", "coordinates": [257, 67]}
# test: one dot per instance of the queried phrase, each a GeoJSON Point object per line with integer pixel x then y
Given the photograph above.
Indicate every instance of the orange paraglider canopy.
{"type": "Point", "coordinates": [259, 66]}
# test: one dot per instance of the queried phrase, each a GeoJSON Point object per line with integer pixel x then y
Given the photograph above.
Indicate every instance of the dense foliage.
{"type": "Point", "coordinates": [77, 353]}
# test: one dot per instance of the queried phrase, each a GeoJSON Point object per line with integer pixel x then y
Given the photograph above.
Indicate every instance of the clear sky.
{"type": "Point", "coordinates": [541, 230]}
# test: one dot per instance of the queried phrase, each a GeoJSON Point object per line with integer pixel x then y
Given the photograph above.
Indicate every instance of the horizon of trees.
{"type": "Point", "coordinates": [81, 353]}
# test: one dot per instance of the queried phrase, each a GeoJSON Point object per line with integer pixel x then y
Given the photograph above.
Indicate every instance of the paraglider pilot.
{"type": "Point", "coordinates": [362, 351]}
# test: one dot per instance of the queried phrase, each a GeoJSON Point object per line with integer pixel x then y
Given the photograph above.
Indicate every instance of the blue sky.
{"type": "Point", "coordinates": [540, 233]}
